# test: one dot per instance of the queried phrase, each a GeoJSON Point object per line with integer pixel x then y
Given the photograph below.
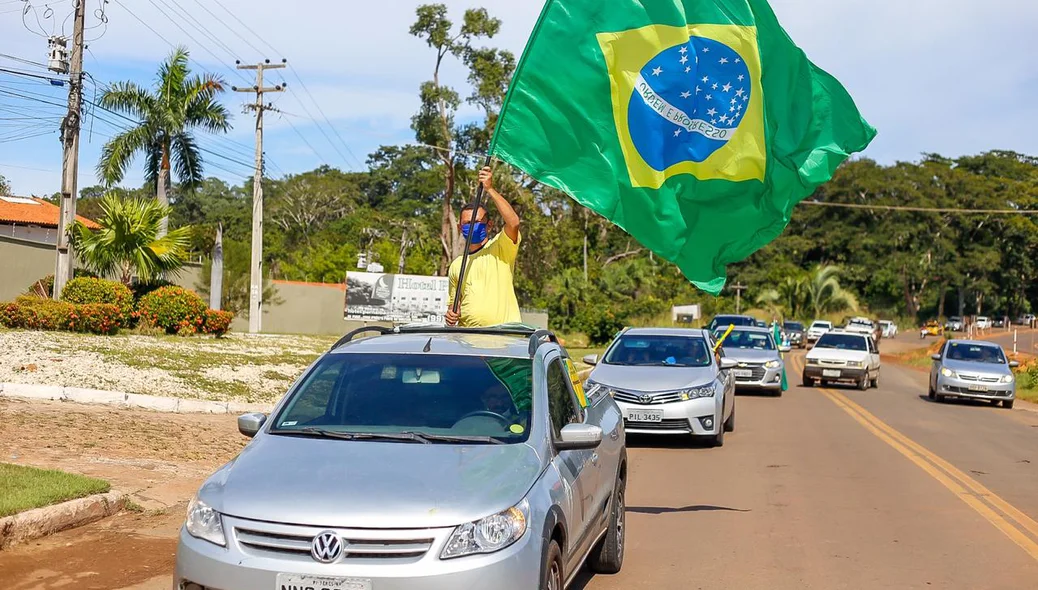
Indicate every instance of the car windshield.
{"type": "Point", "coordinates": [861, 323]}
{"type": "Point", "coordinates": [746, 340]}
{"type": "Point", "coordinates": [793, 326]}
{"type": "Point", "coordinates": [976, 353]}
{"type": "Point", "coordinates": [453, 398]}
{"type": "Point", "coordinates": [672, 351]}
{"type": "Point", "coordinates": [731, 320]}
{"type": "Point", "coordinates": [842, 342]}
{"type": "Point", "coordinates": [825, 325]}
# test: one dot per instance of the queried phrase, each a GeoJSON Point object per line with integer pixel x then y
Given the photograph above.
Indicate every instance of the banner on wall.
{"type": "Point", "coordinates": [395, 298]}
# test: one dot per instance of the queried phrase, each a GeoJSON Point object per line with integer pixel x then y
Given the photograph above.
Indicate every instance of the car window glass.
{"type": "Point", "coordinates": [561, 405]}
{"type": "Point", "coordinates": [842, 342]}
{"type": "Point", "coordinates": [430, 394]}
{"type": "Point", "coordinates": [747, 340]}
{"type": "Point", "coordinates": [977, 353]}
{"type": "Point", "coordinates": [653, 350]}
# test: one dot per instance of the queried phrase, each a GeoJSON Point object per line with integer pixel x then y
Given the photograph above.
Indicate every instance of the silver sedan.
{"type": "Point", "coordinates": [973, 370]}
{"type": "Point", "coordinates": [760, 365]}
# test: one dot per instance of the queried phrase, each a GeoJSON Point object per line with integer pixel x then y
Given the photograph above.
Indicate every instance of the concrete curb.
{"type": "Point", "coordinates": [127, 400]}
{"type": "Point", "coordinates": [33, 524]}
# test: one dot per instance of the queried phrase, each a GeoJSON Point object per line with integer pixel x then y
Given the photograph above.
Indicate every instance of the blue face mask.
{"type": "Point", "coordinates": [478, 229]}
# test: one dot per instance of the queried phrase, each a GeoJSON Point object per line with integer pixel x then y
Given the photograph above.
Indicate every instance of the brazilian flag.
{"type": "Point", "coordinates": [694, 125]}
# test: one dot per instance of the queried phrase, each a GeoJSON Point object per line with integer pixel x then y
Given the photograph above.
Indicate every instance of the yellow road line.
{"type": "Point", "coordinates": [951, 477]}
{"type": "Point", "coordinates": [863, 417]}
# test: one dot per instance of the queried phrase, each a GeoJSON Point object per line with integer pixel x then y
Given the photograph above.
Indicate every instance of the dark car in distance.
{"type": "Point", "coordinates": [723, 321]}
{"type": "Point", "coordinates": [795, 334]}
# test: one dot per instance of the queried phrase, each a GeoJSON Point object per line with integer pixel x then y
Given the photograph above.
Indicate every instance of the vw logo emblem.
{"type": "Point", "coordinates": [326, 547]}
{"type": "Point", "coordinates": [645, 399]}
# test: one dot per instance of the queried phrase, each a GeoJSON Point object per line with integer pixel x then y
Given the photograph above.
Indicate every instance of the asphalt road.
{"type": "Point", "coordinates": [821, 488]}
{"type": "Point", "coordinates": [1026, 340]}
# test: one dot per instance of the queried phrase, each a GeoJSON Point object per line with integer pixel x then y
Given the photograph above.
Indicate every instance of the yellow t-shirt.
{"type": "Point", "coordinates": [488, 297]}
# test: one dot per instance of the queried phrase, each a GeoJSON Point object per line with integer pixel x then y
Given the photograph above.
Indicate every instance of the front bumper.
{"type": "Point", "coordinates": [762, 379]}
{"type": "Point", "coordinates": [834, 373]}
{"type": "Point", "coordinates": [956, 387]}
{"type": "Point", "coordinates": [687, 417]}
{"type": "Point", "coordinates": [239, 567]}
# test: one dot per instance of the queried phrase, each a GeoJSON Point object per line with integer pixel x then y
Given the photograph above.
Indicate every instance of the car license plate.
{"type": "Point", "coordinates": [645, 415]}
{"type": "Point", "coordinates": [743, 373]}
{"type": "Point", "coordinates": [830, 373]}
{"type": "Point", "coordinates": [296, 582]}
{"type": "Point", "coordinates": [979, 388]}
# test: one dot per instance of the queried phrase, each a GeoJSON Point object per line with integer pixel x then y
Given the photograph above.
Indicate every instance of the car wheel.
{"type": "Point", "coordinates": [939, 397]}
{"type": "Point", "coordinates": [551, 573]}
{"type": "Point", "coordinates": [875, 382]}
{"type": "Point", "coordinates": [608, 556]}
{"type": "Point", "coordinates": [729, 424]}
{"type": "Point", "coordinates": [718, 439]}
{"type": "Point", "coordinates": [808, 382]}
{"type": "Point", "coordinates": [864, 383]}
{"type": "Point", "coordinates": [1008, 404]}
{"type": "Point", "coordinates": [930, 391]}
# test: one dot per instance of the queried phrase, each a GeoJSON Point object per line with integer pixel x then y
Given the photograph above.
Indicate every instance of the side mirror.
{"type": "Point", "coordinates": [250, 424]}
{"type": "Point", "coordinates": [785, 349]}
{"type": "Point", "coordinates": [579, 437]}
{"type": "Point", "coordinates": [590, 359]}
{"type": "Point", "coordinates": [1014, 364]}
{"type": "Point", "coordinates": [935, 357]}
{"type": "Point", "coordinates": [727, 363]}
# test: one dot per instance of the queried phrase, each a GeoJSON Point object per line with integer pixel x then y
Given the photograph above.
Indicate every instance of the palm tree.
{"type": "Point", "coordinates": [789, 299]}
{"type": "Point", "coordinates": [826, 294]}
{"type": "Point", "coordinates": [128, 243]}
{"type": "Point", "coordinates": [179, 103]}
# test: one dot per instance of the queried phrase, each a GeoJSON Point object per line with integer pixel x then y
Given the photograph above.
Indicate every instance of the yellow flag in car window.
{"type": "Point", "coordinates": [578, 387]}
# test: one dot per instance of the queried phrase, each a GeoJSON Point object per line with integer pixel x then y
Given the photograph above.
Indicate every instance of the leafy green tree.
{"type": "Point", "coordinates": [128, 243]}
{"type": "Point", "coordinates": [166, 118]}
{"type": "Point", "coordinates": [5, 186]}
{"type": "Point", "coordinates": [825, 293]}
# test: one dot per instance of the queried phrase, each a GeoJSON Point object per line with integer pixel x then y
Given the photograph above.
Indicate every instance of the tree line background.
{"type": "Point", "coordinates": [590, 276]}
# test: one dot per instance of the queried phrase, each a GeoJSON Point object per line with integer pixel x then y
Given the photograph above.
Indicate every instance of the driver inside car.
{"type": "Point", "coordinates": [497, 400]}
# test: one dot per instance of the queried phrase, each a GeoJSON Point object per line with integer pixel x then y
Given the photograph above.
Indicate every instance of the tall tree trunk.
{"type": "Point", "coordinates": [940, 301]}
{"type": "Point", "coordinates": [403, 253]}
{"type": "Point", "coordinates": [216, 271]}
{"type": "Point", "coordinates": [161, 195]}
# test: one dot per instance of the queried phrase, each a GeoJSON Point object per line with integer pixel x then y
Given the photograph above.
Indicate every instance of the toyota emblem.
{"type": "Point", "coordinates": [645, 399]}
{"type": "Point", "coordinates": [326, 547]}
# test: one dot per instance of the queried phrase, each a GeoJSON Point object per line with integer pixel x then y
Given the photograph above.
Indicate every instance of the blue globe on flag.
{"type": "Point", "coordinates": [688, 102]}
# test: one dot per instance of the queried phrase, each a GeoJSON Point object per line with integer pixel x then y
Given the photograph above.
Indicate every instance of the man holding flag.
{"type": "Point", "coordinates": [694, 125]}
{"type": "Point", "coordinates": [488, 295]}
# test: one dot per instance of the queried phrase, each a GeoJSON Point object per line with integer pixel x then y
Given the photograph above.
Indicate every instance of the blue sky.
{"type": "Point", "coordinates": [947, 76]}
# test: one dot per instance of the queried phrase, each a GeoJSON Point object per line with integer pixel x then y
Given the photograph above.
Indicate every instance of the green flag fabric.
{"type": "Point", "coordinates": [694, 125]}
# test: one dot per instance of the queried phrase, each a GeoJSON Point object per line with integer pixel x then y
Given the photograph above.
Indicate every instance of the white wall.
{"type": "Point", "coordinates": [40, 235]}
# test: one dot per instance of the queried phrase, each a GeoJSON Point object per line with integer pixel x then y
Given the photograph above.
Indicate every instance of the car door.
{"type": "Point", "coordinates": [935, 368]}
{"type": "Point", "coordinates": [579, 474]}
{"type": "Point", "coordinates": [873, 357]}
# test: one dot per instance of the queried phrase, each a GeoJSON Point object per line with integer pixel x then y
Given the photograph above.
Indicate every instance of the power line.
{"type": "Point", "coordinates": [320, 110]}
{"type": "Point", "coordinates": [176, 23]}
{"type": "Point", "coordinates": [923, 209]}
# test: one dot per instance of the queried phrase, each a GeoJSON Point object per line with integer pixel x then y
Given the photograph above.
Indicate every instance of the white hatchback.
{"type": "Point", "coordinates": [846, 357]}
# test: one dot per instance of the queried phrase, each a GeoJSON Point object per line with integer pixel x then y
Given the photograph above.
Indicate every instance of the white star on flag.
{"type": "Point", "coordinates": [712, 112]}
{"type": "Point", "coordinates": [706, 79]}
{"type": "Point", "coordinates": [684, 50]}
{"type": "Point", "coordinates": [677, 133]}
{"type": "Point", "coordinates": [724, 118]}
{"type": "Point", "coordinates": [706, 50]}
{"type": "Point", "coordinates": [741, 77]}
{"type": "Point", "coordinates": [733, 101]}
{"type": "Point", "coordinates": [727, 87]}
{"type": "Point", "coordinates": [724, 60]}
{"type": "Point", "coordinates": [657, 71]}
{"type": "Point", "coordinates": [738, 108]}
{"type": "Point", "coordinates": [684, 59]}
{"type": "Point", "coordinates": [737, 60]}
{"type": "Point", "coordinates": [740, 92]}
{"type": "Point", "coordinates": [709, 96]}
{"type": "Point", "coordinates": [688, 69]}
{"type": "Point", "coordinates": [745, 97]}
{"type": "Point", "coordinates": [714, 87]}
{"type": "Point", "coordinates": [731, 109]}
{"type": "Point", "coordinates": [698, 89]}
{"type": "Point", "coordinates": [686, 94]}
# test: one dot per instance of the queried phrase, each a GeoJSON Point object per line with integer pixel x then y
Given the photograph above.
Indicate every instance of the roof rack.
{"type": "Point", "coordinates": [538, 336]}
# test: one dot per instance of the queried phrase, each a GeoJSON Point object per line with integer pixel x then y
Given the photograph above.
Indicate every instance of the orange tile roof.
{"type": "Point", "coordinates": [19, 211]}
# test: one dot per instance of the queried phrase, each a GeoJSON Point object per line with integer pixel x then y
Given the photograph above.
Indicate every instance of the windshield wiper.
{"type": "Point", "coordinates": [407, 436]}
{"type": "Point", "coordinates": [455, 438]}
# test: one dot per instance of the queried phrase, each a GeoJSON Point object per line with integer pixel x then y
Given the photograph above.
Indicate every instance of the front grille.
{"type": "Point", "coordinates": [984, 379]}
{"type": "Point", "coordinates": [356, 544]}
{"type": "Point", "coordinates": [672, 424]}
{"type": "Point", "coordinates": [756, 375]}
{"type": "Point", "coordinates": [832, 363]}
{"type": "Point", "coordinates": [966, 391]}
{"type": "Point", "coordinates": [631, 397]}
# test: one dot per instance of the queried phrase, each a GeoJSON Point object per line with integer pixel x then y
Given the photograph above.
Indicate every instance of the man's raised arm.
{"type": "Point", "coordinates": [508, 214]}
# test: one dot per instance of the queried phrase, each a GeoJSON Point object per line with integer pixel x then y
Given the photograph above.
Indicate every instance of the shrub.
{"type": "Point", "coordinates": [217, 323]}
{"type": "Point", "coordinates": [600, 324]}
{"type": "Point", "coordinates": [89, 290]}
{"type": "Point", "coordinates": [45, 286]}
{"type": "Point", "coordinates": [34, 313]}
{"type": "Point", "coordinates": [174, 309]}
{"type": "Point", "coordinates": [142, 289]}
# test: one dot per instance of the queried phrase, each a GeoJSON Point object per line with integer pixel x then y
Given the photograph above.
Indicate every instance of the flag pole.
{"type": "Point", "coordinates": [468, 243]}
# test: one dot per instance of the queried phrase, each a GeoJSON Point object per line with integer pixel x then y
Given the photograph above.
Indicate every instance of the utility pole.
{"type": "Point", "coordinates": [256, 282]}
{"type": "Point", "coordinates": [70, 160]}
{"type": "Point", "coordinates": [738, 296]}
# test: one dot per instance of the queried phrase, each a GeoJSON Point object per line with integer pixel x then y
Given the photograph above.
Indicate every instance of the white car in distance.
{"type": "Point", "coordinates": [843, 357]}
{"type": "Point", "coordinates": [817, 329]}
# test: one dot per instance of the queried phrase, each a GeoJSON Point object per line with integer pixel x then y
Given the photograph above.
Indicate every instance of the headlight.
{"type": "Point", "coordinates": [855, 364]}
{"type": "Point", "coordinates": [697, 392]}
{"type": "Point", "coordinates": [812, 361]}
{"type": "Point", "coordinates": [773, 364]}
{"type": "Point", "coordinates": [593, 387]}
{"type": "Point", "coordinates": [948, 372]}
{"type": "Point", "coordinates": [1007, 378]}
{"type": "Point", "coordinates": [489, 534]}
{"type": "Point", "coordinates": [204, 523]}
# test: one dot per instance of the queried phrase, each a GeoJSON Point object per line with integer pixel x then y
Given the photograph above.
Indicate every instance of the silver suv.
{"type": "Point", "coordinates": [420, 459]}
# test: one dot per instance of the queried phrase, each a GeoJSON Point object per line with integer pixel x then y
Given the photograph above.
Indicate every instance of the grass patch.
{"type": "Point", "coordinates": [24, 488]}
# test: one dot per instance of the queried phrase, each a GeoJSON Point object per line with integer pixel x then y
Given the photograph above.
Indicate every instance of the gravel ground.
{"type": "Point", "coordinates": [236, 368]}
